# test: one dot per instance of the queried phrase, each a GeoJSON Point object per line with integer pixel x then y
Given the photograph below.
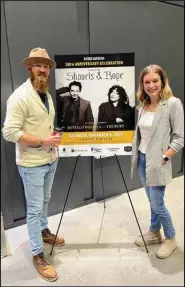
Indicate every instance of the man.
{"type": "Point", "coordinates": [29, 123]}
{"type": "Point", "coordinates": [73, 112]}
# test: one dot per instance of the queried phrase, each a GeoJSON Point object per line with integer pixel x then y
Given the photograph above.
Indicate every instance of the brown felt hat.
{"type": "Point", "coordinates": [39, 55]}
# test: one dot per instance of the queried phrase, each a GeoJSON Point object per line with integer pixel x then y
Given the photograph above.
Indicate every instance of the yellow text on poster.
{"type": "Point", "coordinates": [107, 137]}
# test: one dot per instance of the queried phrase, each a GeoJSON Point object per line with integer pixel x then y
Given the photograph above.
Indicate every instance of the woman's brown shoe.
{"type": "Point", "coordinates": [166, 248]}
{"type": "Point", "coordinates": [150, 238]}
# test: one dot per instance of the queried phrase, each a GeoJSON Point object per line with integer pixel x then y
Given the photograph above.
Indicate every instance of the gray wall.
{"type": "Point", "coordinates": [153, 30]}
{"type": "Point", "coordinates": [177, 3]}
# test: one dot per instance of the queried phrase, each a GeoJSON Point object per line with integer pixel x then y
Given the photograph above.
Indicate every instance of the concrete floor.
{"type": "Point", "coordinates": [99, 248]}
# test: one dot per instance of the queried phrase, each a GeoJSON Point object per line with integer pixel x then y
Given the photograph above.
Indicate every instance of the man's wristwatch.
{"type": "Point", "coordinates": [165, 157]}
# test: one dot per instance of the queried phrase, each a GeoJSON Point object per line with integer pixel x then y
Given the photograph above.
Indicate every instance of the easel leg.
{"type": "Point", "coordinates": [131, 204]}
{"type": "Point", "coordinates": [102, 182]}
{"type": "Point", "coordinates": [65, 203]}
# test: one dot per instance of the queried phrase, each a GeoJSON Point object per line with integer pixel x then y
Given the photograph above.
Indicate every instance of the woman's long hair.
{"type": "Point", "coordinates": [123, 97]}
{"type": "Point", "coordinates": [166, 91]}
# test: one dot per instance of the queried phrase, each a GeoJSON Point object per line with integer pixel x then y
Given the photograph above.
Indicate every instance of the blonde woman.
{"type": "Point", "coordinates": [159, 135]}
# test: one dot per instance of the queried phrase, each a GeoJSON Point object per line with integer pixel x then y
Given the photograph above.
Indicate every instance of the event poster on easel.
{"type": "Point", "coordinates": [95, 103]}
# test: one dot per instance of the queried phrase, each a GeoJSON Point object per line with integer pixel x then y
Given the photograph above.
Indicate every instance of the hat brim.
{"type": "Point", "coordinates": [34, 60]}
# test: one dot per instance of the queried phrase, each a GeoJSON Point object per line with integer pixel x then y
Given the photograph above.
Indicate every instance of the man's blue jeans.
{"type": "Point", "coordinates": [37, 186]}
{"type": "Point", "coordinates": [159, 213]}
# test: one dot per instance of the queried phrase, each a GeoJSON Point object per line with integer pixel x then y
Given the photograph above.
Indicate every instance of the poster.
{"type": "Point", "coordinates": [95, 103]}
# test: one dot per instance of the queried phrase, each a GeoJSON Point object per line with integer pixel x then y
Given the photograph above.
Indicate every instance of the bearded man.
{"type": "Point", "coordinates": [29, 123]}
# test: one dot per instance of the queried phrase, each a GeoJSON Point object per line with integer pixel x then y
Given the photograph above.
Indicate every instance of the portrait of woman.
{"type": "Point", "coordinates": [116, 114]}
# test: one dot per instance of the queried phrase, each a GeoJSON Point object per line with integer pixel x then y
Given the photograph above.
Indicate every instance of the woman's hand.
{"type": "Point", "coordinates": [164, 162]}
{"type": "Point", "coordinates": [119, 120]}
{"type": "Point", "coordinates": [169, 154]}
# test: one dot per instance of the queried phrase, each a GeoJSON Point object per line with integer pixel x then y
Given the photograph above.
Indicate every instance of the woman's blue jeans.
{"type": "Point", "coordinates": [159, 213]}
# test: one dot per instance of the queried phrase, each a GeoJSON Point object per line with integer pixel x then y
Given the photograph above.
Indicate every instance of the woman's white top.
{"type": "Point", "coordinates": [145, 124]}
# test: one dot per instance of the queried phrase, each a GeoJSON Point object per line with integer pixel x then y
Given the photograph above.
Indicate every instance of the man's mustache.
{"type": "Point", "coordinates": [42, 74]}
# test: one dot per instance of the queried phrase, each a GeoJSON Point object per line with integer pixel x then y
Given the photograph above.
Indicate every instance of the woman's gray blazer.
{"type": "Point", "coordinates": [167, 131]}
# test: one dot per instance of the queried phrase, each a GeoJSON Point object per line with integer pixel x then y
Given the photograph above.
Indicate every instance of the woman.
{"type": "Point", "coordinates": [159, 135]}
{"type": "Point", "coordinates": [116, 114]}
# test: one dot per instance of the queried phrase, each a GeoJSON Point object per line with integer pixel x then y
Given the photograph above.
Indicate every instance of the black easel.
{"type": "Point", "coordinates": [102, 182]}
{"type": "Point", "coordinates": [65, 203]}
{"type": "Point", "coordinates": [103, 199]}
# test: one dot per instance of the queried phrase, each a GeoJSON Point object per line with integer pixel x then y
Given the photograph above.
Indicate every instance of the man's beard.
{"type": "Point", "coordinates": [40, 82]}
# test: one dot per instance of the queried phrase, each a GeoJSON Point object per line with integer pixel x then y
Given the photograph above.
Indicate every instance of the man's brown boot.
{"type": "Point", "coordinates": [45, 269]}
{"type": "Point", "coordinates": [49, 238]}
{"type": "Point", "coordinates": [150, 238]}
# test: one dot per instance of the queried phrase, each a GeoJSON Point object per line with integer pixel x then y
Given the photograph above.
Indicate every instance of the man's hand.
{"type": "Point", "coordinates": [52, 140]}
